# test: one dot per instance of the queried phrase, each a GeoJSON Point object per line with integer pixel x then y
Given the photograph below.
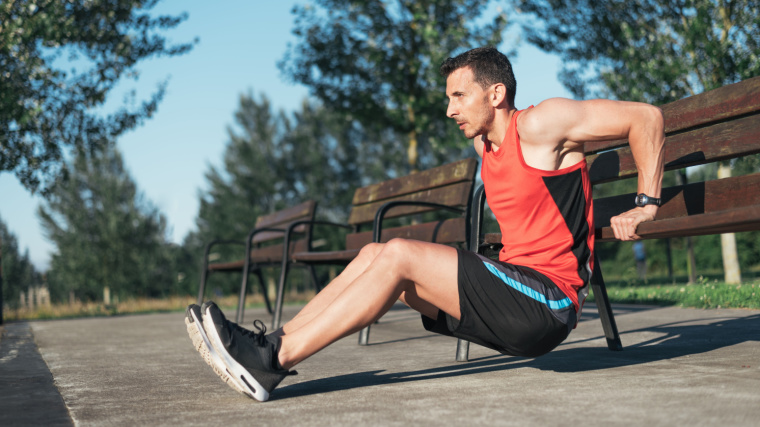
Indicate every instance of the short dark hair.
{"type": "Point", "coordinates": [489, 66]}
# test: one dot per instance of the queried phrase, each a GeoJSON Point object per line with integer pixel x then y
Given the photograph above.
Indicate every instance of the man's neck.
{"type": "Point", "coordinates": [501, 125]}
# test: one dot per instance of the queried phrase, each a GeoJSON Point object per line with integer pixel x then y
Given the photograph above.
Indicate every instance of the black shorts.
{"type": "Point", "coordinates": [512, 309]}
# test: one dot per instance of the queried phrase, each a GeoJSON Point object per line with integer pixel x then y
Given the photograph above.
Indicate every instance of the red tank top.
{"type": "Point", "coordinates": [546, 217]}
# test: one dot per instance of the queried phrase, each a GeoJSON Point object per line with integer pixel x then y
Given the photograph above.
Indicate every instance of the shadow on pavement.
{"type": "Point", "coordinates": [672, 340]}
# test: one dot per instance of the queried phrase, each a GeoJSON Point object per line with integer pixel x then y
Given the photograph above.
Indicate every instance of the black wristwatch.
{"type": "Point", "coordinates": [643, 200]}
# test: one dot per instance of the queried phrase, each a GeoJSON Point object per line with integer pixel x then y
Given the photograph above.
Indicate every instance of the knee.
{"type": "Point", "coordinates": [370, 251]}
{"type": "Point", "coordinates": [397, 249]}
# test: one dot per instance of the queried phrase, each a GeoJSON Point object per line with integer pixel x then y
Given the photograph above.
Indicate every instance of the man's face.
{"type": "Point", "coordinates": [469, 103]}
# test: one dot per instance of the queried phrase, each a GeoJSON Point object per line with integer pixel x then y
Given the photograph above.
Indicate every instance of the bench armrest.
{"type": "Point", "coordinates": [377, 225]}
{"type": "Point", "coordinates": [215, 242]}
{"type": "Point", "coordinates": [256, 231]}
{"type": "Point", "coordinates": [292, 227]}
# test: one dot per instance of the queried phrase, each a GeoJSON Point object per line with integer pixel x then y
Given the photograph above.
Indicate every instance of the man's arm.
{"type": "Point", "coordinates": [571, 123]}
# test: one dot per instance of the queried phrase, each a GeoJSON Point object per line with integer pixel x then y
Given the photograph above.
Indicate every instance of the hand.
{"type": "Point", "coordinates": [624, 225]}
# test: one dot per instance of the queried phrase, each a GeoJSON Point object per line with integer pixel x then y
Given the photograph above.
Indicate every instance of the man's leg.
{"type": "Point", "coordinates": [423, 275]}
{"type": "Point", "coordinates": [333, 289]}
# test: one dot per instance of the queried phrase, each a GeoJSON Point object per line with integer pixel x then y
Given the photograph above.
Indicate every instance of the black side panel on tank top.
{"type": "Point", "coordinates": [567, 192]}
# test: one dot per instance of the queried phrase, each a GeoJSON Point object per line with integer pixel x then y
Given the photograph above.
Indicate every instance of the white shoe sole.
{"type": "Point", "coordinates": [239, 374]}
{"type": "Point", "coordinates": [208, 354]}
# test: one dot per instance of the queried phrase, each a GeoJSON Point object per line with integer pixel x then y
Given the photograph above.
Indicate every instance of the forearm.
{"type": "Point", "coordinates": [647, 141]}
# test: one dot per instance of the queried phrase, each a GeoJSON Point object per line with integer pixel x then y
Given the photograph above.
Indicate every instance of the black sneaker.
{"type": "Point", "coordinates": [250, 357]}
{"type": "Point", "coordinates": [194, 324]}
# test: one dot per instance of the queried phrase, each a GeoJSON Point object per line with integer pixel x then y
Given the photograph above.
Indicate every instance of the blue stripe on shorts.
{"type": "Point", "coordinates": [532, 293]}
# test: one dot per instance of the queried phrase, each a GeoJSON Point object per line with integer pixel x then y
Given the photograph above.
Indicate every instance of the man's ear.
{"type": "Point", "coordinates": [498, 94]}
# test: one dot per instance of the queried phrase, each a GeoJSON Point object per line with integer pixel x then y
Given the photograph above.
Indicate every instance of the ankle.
{"type": "Point", "coordinates": [283, 355]}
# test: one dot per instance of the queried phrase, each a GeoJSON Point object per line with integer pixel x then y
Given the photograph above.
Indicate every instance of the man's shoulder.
{"type": "Point", "coordinates": [548, 110]}
{"type": "Point", "coordinates": [536, 123]}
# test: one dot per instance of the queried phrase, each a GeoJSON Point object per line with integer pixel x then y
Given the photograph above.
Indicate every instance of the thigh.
{"type": "Point", "coordinates": [429, 271]}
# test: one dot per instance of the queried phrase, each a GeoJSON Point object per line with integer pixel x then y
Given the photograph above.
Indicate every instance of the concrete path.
{"type": "Point", "coordinates": [679, 367]}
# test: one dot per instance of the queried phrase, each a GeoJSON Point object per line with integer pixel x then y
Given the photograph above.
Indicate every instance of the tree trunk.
{"type": "Point", "coordinates": [732, 272]}
{"type": "Point", "coordinates": [411, 151]}
{"type": "Point", "coordinates": [691, 264]}
{"type": "Point", "coordinates": [669, 255]}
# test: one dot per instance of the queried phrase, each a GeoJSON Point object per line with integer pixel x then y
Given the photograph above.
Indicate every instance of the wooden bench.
{"type": "Point", "coordinates": [265, 247]}
{"type": "Point", "coordinates": [409, 201]}
{"type": "Point", "coordinates": [714, 126]}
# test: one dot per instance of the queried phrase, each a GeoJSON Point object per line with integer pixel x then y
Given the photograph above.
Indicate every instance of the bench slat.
{"type": "Point", "coordinates": [456, 195]}
{"type": "Point", "coordinates": [711, 207]}
{"type": "Point", "coordinates": [729, 101]}
{"type": "Point", "coordinates": [266, 236]}
{"type": "Point", "coordinates": [687, 200]}
{"type": "Point", "coordinates": [282, 219]}
{"type": "Point", "coordinates": [327, 257]}
{"type": "Point", "coordinates": [463, 170]}
{"type": "Point", "coordinates": [265, 255]}
{"type": "Point", "coordinates": [718, 142]}
{"type": "Point", "coordinates": [287, 215]}
{"type": "Point", "coordinates": [728, 221]}
{"type": "Point", "coordinates": [447, 231]}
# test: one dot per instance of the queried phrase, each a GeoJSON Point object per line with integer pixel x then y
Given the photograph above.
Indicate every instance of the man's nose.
{"type": "Point", "coordinates": [451, 111]}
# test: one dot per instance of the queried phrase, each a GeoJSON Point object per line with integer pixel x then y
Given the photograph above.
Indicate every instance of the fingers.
{"type": "Point", "coordinates": [624, 227]}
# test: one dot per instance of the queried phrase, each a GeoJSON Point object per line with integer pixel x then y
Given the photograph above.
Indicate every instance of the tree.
{"type": "Point", "coordinates": [654, 51]}
{"type": "Point", "coordinates": [18, 272]}
{"type": "Point", "coordinates": [377, 62]}
{"type": "Point", "coordinates": [59, 61]}
{"type": "Point", "coordinates": [105, 232]}
{"type": "Point", "coordinates": [274, 160]}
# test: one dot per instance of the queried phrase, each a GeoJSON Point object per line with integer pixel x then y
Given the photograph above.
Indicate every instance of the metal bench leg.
{"type": "Point", "coordinates": [280, 295]}
{"type": "Point", "coordinates": [463, 350]}
{"type": "Point", "coordinates": [473, 244]}
{"type": "Point", "coordinates": [314, 279]}
{"type": "Point", "coordinates": [204, 274]}
{"type": "Point", "coordinates": [364, 336]}
{"type": "Point", "coordinates": [202, 287]}
{"type": "Point", "coordinates": [605, 310]}
{"type": "Point", "coordinates": [264, 292]}
{"type": "Point", "coordinates": [241, 299]}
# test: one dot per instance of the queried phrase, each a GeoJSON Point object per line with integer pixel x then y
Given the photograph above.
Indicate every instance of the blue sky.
{"type": "Point", "coordinates": [240, 44]}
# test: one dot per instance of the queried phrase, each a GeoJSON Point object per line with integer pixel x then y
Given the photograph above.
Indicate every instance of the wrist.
{"type": "Point", "coordinates": [650, 210]}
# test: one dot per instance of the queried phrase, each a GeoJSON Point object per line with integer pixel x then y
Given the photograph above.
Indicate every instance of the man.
{"type": "Point", "coordinates": [537, 185]}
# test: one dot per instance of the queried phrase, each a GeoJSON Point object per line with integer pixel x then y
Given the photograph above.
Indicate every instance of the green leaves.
{"type": "Point", "coordinates": [654, 51]}
{"type": "Point", "coordinates": [105, 232]}
{"type": "Point", "coordinates": [18, 272]}
{"type": "Point", "coordinates": [377, 62]}
{"type": "Point", "coordinates": [59, 61]}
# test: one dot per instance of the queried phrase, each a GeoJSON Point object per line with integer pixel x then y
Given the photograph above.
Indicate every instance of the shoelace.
{"type": "Point", "coordinates": [259, 336]}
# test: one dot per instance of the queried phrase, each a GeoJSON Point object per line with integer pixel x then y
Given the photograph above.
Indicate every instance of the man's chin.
{"type": "Point", "coordinates": [471, 134]}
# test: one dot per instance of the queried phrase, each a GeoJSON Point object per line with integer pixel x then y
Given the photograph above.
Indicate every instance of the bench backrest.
{"type": "Point", "coordinates": [714, 126]}
{"type": "Point", "coordinates": [450, 185]}
{"type": "Point", "coordinates": [282, 220]}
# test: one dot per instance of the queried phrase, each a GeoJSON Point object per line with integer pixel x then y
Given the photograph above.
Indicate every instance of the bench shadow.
{"type": "Point", "coordinates": [673, 340]}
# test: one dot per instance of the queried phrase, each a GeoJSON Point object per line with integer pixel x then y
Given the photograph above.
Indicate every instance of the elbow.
{"type": "Point", "coordinates": [657, 117]}
{"type": "Point", "coordinates": [656, 120]}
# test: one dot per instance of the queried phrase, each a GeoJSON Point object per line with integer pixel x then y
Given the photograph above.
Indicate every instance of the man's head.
{"type": "Point", "coordinates": [476, 89]}
{"type": "Point", "coordinates": [488, 65]}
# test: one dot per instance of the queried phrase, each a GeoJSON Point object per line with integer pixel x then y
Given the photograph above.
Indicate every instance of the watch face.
{"type": "Point", "coordinates": [641, 199]}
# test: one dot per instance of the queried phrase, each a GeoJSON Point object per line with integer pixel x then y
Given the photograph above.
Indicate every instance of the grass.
{"type": "Point", "coordinates": [135, 306]}
{"type": "Point", "coordinates": [702, 294]}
